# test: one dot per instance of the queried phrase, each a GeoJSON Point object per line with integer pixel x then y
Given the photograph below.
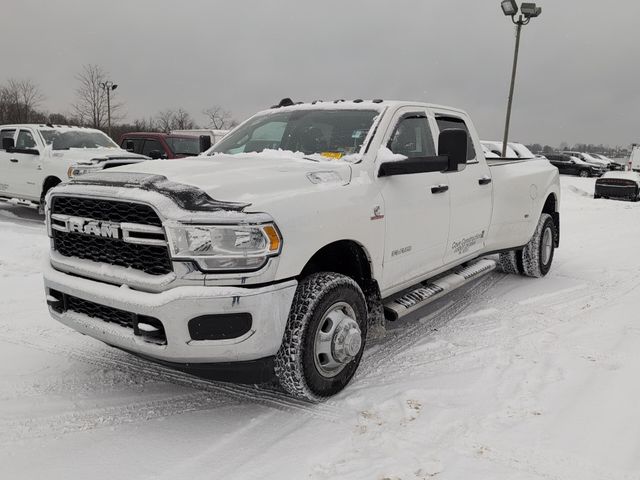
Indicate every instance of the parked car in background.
{"type": "Point", "coordinates": [36, 157]}
{"type": "Point", "coordinates": [215, 135]}
{"type": "Point", "coordinates": [570, 165]}
{"type": "Point", "coordinates": [164, 145]}
{"type": "Point", "coordinates": [496, 148]}
{"type": "Point", "coordinates": [521, 150]}
{"type": "Point", "coordinates": [619, 185]}
{"type": "Point", "coordinates": [587, 157]}
{"type": "Point", "coordinates": [351, 211]}
{"type": "Point", "coordinates": [613, 165]}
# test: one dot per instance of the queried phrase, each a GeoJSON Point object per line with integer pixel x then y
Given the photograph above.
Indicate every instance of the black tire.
{"type": "Point", "coordinates": [510, 262]}
{"type": "Point", "coordinates": [48, 185]}
{"type": "Point", "coordinates": [537, 255]}
{"type": "Point", "coordinates": [584, 173]}
{"type": "Point", "coordinates": [295, 363]}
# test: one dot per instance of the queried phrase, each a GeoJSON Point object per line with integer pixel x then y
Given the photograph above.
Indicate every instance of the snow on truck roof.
{"type": "Point", "coordinates": [49, 126]}
{"type": "Point", "coordinates": [375, 104]}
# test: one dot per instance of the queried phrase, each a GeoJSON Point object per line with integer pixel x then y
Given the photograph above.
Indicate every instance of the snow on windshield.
{"type": "Point", "coordinates": [325, 133]}
{"type": "Point", "coordinates": [66, 139]}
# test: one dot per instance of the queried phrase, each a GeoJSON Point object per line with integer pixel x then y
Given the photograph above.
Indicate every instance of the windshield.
{"type": "Point", "coordinates": [332, 133]}
{"type": "Point", "coordinates": [64, 140]}
{"type": "Point", "coordinates": [184, 146]}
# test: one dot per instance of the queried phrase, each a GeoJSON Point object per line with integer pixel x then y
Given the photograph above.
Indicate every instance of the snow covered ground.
{"type": "Point", "coordinates": [512, 378]}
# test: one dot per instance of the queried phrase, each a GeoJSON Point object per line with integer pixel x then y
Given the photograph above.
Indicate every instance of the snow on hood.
{"type": "Point", "coordinates": [90, 155]}
{"type": "Point", "coordinates": [248, 178]}
{"type": "Point", "coordinates": [635, 176]}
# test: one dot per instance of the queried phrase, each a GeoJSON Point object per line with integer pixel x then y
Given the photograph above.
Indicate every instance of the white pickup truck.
{"type": "Point", "coordinates": [305, 226]}
{"type": "Point", "coordinates": [34, 158]}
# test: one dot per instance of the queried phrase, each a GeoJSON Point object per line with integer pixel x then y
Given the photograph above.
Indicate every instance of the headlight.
{"type": "Point", "coordinates": [77, 170]}
{"type": "Point", "coordinates": [225, 247]}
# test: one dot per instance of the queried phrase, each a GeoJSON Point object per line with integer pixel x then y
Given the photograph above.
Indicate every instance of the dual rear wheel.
{"type": "Point", "coordinates": [535, 259]}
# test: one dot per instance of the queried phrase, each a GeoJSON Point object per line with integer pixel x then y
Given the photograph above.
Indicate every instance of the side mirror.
{"type": "Point", "coordinates": [129, 146]}
{"type": "Point", "coordinates": [452, 142]}
{"type": "Point", "coordinates": [155, 154]}
{"type": "Point", "coordinates": [205, 143]}
{"type": "Point", "coordinates": [8, 143]}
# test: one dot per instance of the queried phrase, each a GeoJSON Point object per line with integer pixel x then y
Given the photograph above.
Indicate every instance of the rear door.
{"type": "Point", "coordinates": [416, 206]}
{"type": "Point", "coordinates": [471, 194]}
{"type": "Point", "coordinates": [8, 164]}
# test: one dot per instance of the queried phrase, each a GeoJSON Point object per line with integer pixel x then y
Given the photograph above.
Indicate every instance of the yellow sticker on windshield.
{"type": "Point", "coordinates": [335, 155]}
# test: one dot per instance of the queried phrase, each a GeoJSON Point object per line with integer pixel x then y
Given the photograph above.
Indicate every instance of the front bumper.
{"type": "Point", "coordinates": [269, 308]}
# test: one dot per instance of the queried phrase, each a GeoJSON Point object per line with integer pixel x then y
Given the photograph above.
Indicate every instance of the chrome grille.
{"type": "Point", "coordinates": [149, 258]}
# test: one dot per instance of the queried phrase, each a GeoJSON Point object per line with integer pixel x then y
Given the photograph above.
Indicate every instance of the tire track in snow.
{"type": "Point", "coordinates": [89, 419]}
{"type": "Point", "coordinates": [223, 394]}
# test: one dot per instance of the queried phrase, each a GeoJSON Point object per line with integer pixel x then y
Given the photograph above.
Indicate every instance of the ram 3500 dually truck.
{"type": "Point", "coordinates": [36, 157]}
{"type": "Point", "coordinates": [304, 226]}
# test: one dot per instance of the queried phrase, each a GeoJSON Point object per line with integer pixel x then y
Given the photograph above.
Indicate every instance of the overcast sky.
{"type": "Point", "coordinates": [578, 81]}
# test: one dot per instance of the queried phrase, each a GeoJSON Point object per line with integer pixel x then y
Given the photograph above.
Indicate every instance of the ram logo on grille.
{"type": "Point", "coordinates": [94, 227]}
{"type": "Point", "coordinates": [86, 226]}
{"type": "Point", "coordinates": [127, 232]}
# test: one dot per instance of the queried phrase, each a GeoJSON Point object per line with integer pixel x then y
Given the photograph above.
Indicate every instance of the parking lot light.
{"type": "Point", "coordinates": [527, 12]}
{"type": "Point", "coordinates": [509, 7]}
{"type": "Point", "coordinates": [530, 10]}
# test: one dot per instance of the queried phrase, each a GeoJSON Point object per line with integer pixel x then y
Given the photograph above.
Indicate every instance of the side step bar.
{"type": "Point", "coordinates": [429, 291]}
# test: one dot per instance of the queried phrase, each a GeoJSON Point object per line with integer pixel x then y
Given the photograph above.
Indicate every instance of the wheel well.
{"type": "Point", "coordinates": [551, 207]}
{"type": "Point", "coordinates": [48, 183]}
{"type": "Point", "coordinates": [346, 257]}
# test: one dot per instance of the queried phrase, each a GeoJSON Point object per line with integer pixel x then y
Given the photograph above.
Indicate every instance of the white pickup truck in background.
{"type": "Point", "coordinates": [302, 228]}
{"type": "Point", "coordinates": [36, 157]}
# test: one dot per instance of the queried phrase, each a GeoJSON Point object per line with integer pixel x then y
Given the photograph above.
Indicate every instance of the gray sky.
{"type": "Point", "coordinates": [578, 79]}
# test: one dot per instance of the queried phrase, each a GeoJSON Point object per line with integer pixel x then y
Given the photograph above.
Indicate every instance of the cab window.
{"type": "Point", "coordinates": [412, 137]}
{"type": "Point", "coordinates": [25, 140]}
{"type": "Point", "coordinates": [150, 146]}
{"type": "Point", "coordinates": [6, 133]}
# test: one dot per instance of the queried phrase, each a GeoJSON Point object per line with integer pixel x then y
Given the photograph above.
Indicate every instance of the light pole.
{"type": "Point", "coordinates": [527, 12]}
{"type": "Point", "coordinates": [107, 87]}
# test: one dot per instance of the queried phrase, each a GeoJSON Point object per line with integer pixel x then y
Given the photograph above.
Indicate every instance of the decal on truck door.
{"type": "Point", "coordinates": [462, 246]}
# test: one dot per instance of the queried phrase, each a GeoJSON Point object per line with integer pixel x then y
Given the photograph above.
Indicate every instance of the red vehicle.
{"type": "Point", "coordinates": [164, 145]}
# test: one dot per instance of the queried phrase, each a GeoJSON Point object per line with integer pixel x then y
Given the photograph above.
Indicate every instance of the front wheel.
{"type": "Point", "coordinates": [583, 173]}
{"type": "Point", "coordinates": [324, 337]}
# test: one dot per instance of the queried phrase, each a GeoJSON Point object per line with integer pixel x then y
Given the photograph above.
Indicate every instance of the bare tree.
{"type": "Point", "coordinates": [173, 119]}
{"type": "Point", "coordinates": [219, 118]}
{"type": "Point", "coordinates": [19, 100]}
{"type": "Point", "coordinates": [91, 99]}
{"type": "Point", "coordinates": [164, 120]}
{"type": "Point", "coordinates": [182, 120]}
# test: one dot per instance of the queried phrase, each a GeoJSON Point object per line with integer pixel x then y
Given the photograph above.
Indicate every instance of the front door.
{"type": "Point", "coordinates": [416, 206]}
{"type": "Point", "coordinates": [8, 164]}
{"type": "Point", "coordinates": [471, 193]}
{"type": "Point", "coordinates": [29, 177]}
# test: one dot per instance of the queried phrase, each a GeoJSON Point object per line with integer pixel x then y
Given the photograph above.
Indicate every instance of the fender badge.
{"type": "Point", "coordinates": [377, 213]}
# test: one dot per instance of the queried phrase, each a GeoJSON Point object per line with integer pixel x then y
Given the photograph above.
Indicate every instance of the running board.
{"type": "Point", "coordinates": [429, 291]}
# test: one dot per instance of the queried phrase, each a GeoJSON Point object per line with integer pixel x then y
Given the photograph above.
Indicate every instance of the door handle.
{"type": "Point", "coordinates": [484, 181]}
{"type": "Point", "coordinates": [13, 160]}
{"type": "Point", "coordinates": [439, 188]}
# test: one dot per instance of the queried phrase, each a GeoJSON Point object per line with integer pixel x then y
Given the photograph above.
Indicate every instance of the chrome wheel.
{"type": "Point", "coordinates": [338, 340]}
{"type": "Point", "coordinates": [546, 247]}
